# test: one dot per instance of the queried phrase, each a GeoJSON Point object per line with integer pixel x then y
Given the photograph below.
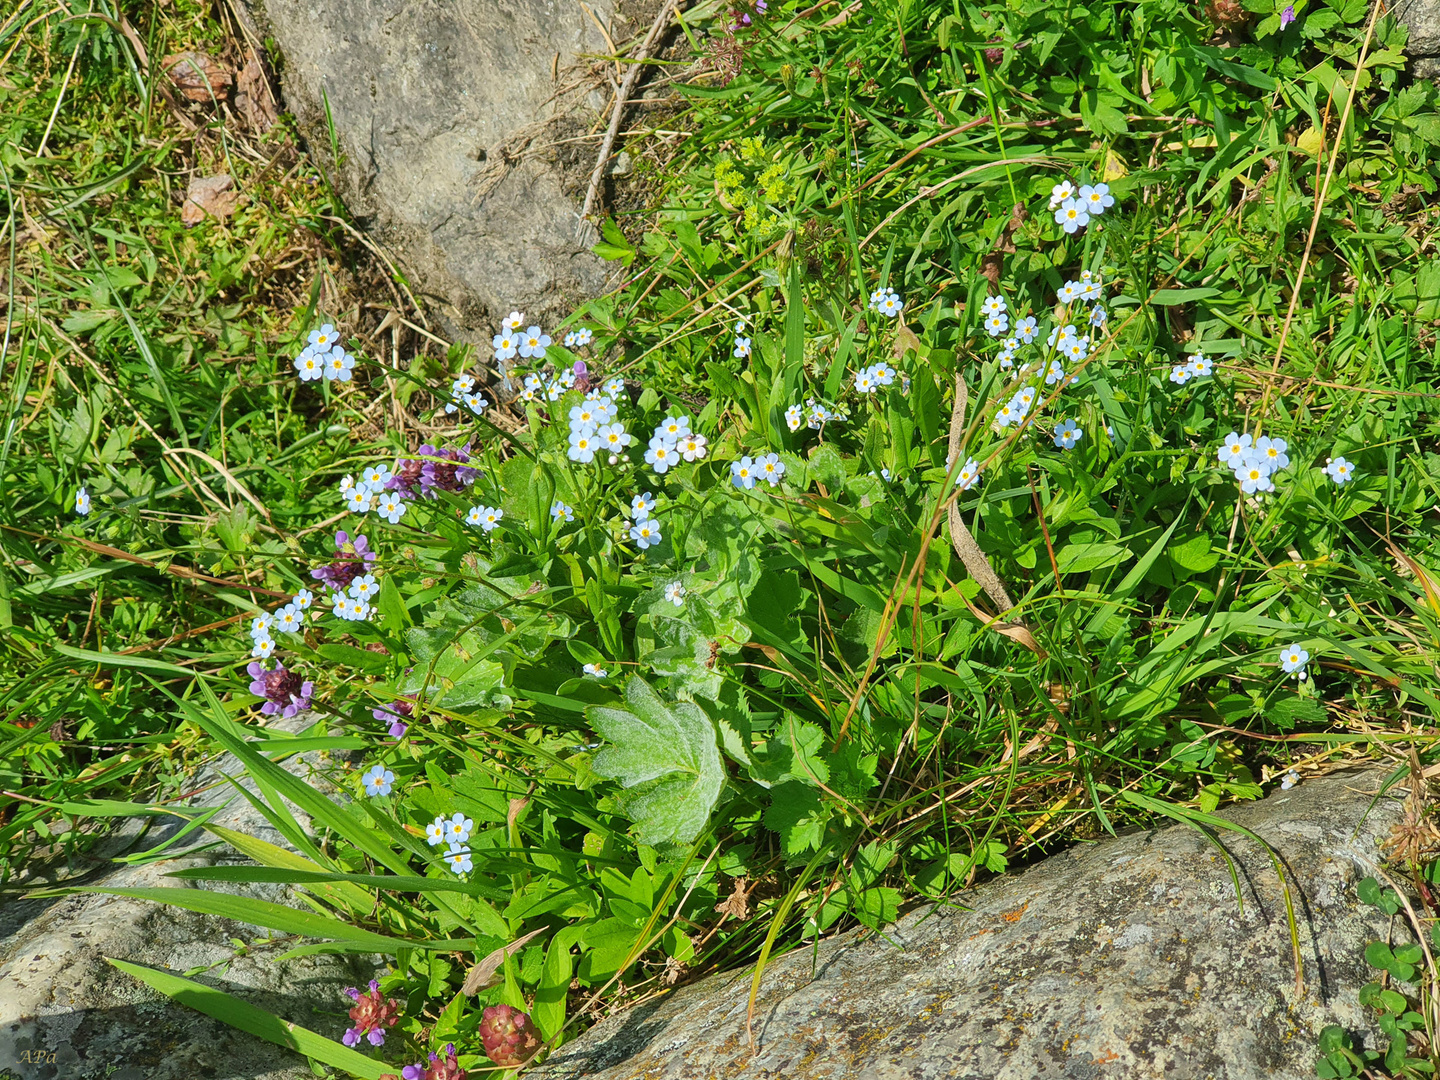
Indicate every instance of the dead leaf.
{"type": "Point", "coordinates": [199, 77]}
{"type": "Point", "coordinates": [737, 904]}
{"type": "Point", "coordinates": [254, 100]}
{"type": "Point", "coordinates": [905, 341]}
{"type": "Point", "coordinates": [992, 264]}
{"type": "Point", "coordinates": [512, 815]}
{"type": "Point", "coordinates": [209, 195]}
{"type": "Point", "coordinates": [484, 974]}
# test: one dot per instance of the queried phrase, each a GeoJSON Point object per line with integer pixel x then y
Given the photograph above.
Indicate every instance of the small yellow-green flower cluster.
{"type": "Point", "coordinates": [757, 196]}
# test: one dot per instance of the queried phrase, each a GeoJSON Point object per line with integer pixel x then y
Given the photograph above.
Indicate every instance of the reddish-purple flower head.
{"type": "Point", "coordinates": [283, 690]}
{"type": "Point", "coordinates": [350, 559]}
{"type": "Point", "coordinates": [392, 714]}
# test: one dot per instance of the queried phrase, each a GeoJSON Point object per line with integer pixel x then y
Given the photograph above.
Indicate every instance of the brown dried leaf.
{"type": "Point", "coordinates": [253, 98]}
{"type": "Point", "coordinates": [209, 195]}
{"type": "Point", "coordinates": [484, 974]}
{"type": "Point", "coordinates": [198, 76]}
{"type": "Point", "coordinates": [905, 341]}
{"type": "Point", "coordinates": [737, 904]}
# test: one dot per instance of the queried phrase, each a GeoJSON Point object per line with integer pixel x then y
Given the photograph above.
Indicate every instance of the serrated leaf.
{"type": "Point", "coordinates": [667, 758]}
{"type": "Point", "coordinates": [798, 815]}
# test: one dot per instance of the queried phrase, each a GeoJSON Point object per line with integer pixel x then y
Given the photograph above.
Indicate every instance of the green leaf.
{"type": "Point", "coordinates": [666, 757]}
{"type": "Point", "coordinates": [1084, 558]}
{"type": "Point", "coordinates": [798, 815]}
{"type": "Point", "coordinates": [548, 1011]}
{"type": "Point", "coordinates": [254, 1020]}
{"type": "Point", "coordinates": [272, 916]}
{"type": "Point", "coordinates": [825, 466]}
{"type": "Point", "coordinates": [614, 247]}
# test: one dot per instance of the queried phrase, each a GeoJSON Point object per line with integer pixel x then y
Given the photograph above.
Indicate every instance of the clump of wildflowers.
{"type": "Point", "coordinates": [393, 713]}
{"type": "Point", "coordinates": [1339, 470]}
{"type": "Point", "coordinates": [351, 558]}
{"type": "Point", "coordinates": [441, 1067]}
{"type": "Point", "coordinates": [371, 1014]}
{"type": "Point", "coordinates": [1253, 462]}
{"type": "Point", "coordinates": [818, 413]}
{"type": "Point", "coordinates": [887, 302]}
{"type": "Point", "coordinates": [284, 691]}
{"type": "Point", "coordinates": [1074, 208]}
{"type": "Point", "coordinates": [435, 470]}
{"type": "Point", "coordinates": [463, 393]}
{"type": "Point", "coordinates": [487, 517]}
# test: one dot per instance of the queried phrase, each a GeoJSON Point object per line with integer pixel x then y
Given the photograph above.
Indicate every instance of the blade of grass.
{"type": "Point", "coordinates": [254, 1020]}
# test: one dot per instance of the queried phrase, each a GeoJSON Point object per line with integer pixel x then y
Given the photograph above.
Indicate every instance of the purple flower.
{"type": "Point", "coordinates": [351, 993]}
{"type": "Point", "coordinates": [1287, 16]}
{"type": "Point", "coordinates": [283, 690]}
{"type": "Point", "coordinates": [417, 476]}
{"type": "Point", "coordinates": [413, 1072]}
{"type": "Point", "coordinates": [399, 707]}
{"type": "Point", "coordinates": [582, 376]}
{"type": "Point", "coordinates": [372, 1014]}
{"type": "Point", "coordinates": [350, 560]}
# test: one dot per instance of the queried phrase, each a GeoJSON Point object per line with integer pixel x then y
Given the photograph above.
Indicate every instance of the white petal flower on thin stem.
{"type": "Point", "coordinates": [1072, 216]}
{"type": "Point", "coordinates": [692, 447]}
{"type": "Point", "coordinates": [323, 340]}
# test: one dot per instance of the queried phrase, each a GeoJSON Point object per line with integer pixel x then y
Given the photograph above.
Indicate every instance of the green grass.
{"type": "Point", "coordinates": [831, 725]}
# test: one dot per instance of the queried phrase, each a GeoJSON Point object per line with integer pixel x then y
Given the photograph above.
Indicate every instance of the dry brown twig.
{"type": "Point", "coordinates": [637, 64]}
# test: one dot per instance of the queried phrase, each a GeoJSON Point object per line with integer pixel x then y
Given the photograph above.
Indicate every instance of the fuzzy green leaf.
{"type": "Point", "coordinates": [666, 757]}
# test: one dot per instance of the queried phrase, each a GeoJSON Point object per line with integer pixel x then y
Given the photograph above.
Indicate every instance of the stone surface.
{"type": "Point", "coordinates": [65, 1014]}
{"type": "Point", "coordinates": [1423, 19]}
{"type": "Point", "coordinates": [432, 101]}
{"type": "Point", "coordinates": [1128, 958]}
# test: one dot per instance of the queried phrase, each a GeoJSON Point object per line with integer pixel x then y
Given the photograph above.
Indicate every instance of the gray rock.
{"type": "Point", "coordinates": [66, 1014]}
{"type": "Point", "coordinates": [1127, 958]}
{"type": "Point", "coordinates": [1423, 19]}
{"type": "Point", "coordinates": [433, 106]}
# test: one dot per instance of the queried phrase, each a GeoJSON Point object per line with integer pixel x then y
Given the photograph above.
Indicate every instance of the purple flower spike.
{"type": "Point", "coordinates": [416, 476]}
{"type": "Point", "coordinates": [1287, 16]}
{"type": "Point", "coordinates": [284, 691]}
{"type": "Point", "coordinates": [350, 561]}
